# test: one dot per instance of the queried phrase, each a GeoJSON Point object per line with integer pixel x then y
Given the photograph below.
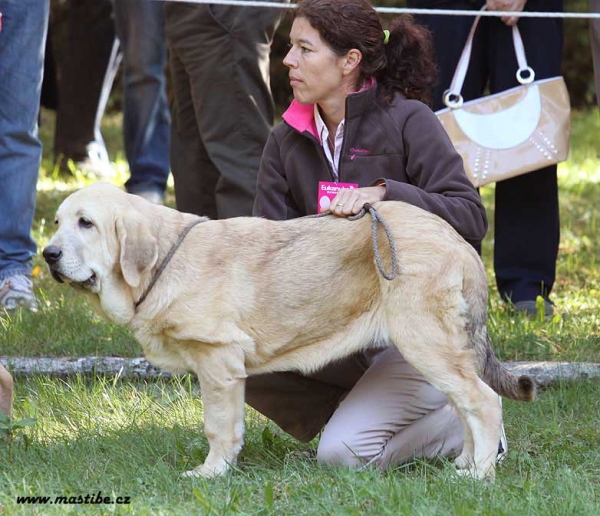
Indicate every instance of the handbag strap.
{"type": "Point", "coordinates": [452, 97]}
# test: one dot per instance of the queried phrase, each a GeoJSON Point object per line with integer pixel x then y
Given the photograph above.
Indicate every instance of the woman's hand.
{"type": "Point", "coordinates": [507, 5]}
{"type": "Point", "coordinates": [349, 201]}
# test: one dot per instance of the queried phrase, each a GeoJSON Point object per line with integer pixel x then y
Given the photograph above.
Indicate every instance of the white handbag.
{"type": "Point", "coordinates": [512, 132]}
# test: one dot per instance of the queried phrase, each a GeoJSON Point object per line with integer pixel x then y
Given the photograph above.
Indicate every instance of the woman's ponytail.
{"type": "Point", "coordinates": [410, 67]}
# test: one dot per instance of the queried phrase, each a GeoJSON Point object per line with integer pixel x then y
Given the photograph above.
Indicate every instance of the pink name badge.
{"type": "Point", "coordinates": [328, 191]}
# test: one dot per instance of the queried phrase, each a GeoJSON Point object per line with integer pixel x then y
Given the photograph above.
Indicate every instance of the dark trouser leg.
{"type": "Point", "coordinates": [224, 51]}
{"type": "Point", "coordinates": [140, 28]}
{"type": "Point", "coordinates": [527, 235]}
{"type": "Point", "coordinates": [85, 52]}
{"type": "Point", "coordinates": [195, 176]}
{"type": "Point", "coordinates": [527, 224]}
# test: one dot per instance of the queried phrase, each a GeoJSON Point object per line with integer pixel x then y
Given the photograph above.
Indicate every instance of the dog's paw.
{"type": "Point", "coordinates": [465, 472]}
{"type": "Point", "coordinates": [206, 471]}
{"type": "Point", "coordinates": [463, 462]}
{"type": "Point", "coordinates": [471, 472]}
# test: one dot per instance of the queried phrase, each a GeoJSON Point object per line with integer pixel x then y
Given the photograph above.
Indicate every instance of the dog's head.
{"type": "Point", "coordinates": [103, 246]}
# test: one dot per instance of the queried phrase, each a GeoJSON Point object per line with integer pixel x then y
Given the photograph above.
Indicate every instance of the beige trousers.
{"type": "Point", "coordinates": [390, 416]}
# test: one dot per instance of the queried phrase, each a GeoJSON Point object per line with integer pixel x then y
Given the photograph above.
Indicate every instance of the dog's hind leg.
{"type": "Point", "coordinates": [466, 459]}
{"type": "Point", "coordinates": [484, 423]}
{"type": "Point", "coordinates": [436, 344]}
{"type": "Point", "coordinates": [222, 381]}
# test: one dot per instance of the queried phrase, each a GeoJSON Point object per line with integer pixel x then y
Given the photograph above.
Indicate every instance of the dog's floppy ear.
{"type": "Point", "coordinates": [139, 249]}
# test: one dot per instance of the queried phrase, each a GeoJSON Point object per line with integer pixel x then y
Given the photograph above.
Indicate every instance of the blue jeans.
{"type": "Point", "coordinates": [140, 29]}
{"type": "Point", "coordinates": [22, 43]}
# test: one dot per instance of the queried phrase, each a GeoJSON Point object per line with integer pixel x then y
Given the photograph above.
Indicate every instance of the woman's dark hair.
{"type": "Point", "coordinates": [405, 64]}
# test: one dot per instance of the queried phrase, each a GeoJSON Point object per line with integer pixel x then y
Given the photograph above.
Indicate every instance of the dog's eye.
{"type": "Point", "coordinates": [85, 223]}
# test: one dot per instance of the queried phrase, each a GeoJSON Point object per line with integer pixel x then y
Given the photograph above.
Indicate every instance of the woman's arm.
{"type": "Point", "coordinates": [272, 187]}
{"type": "Point", "coordinates": [438, 182]}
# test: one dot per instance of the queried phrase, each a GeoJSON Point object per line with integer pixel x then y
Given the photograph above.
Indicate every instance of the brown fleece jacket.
{"type": "Point", "coordinates": [402, 143]}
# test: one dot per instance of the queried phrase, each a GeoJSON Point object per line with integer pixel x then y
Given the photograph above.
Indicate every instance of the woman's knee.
{"type": "Point", "coordinates": [341, 451]}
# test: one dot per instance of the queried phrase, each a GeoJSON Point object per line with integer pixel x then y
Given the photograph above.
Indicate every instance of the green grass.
{"type": "Point", "coordinates": [574, 334]}
{"type": "Point", "coordinates": [134, 439]}
{"type": "Point", "coordinates": [127, 438]}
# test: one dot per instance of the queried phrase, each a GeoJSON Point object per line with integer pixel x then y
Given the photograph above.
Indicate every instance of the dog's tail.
{"type": "Point", "coordinates": [519, 388]}
{"type": "Point", "coordinates": [491, 371]}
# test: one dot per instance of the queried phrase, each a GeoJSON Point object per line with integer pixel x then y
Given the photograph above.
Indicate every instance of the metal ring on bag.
{"type": "Point", "coordinates": [525, 80]}
{"type": "Point", "coordinates": [452, 100]}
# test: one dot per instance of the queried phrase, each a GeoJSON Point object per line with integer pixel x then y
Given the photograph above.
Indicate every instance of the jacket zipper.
{"type": "Point", "coordinates": [310, 136]}
{"type": "Point", "coordinates": [323, 155]}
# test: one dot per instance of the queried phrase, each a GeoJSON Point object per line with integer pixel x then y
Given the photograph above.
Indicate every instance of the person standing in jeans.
{"type": "Point", "coordinates": [140, 29]}
{"type": "Point", "coordinates": [527, 225]}
{"type": "Point", "coordinates": [22, 44]}
{"type": "Point", "coordinates": [222, 108]}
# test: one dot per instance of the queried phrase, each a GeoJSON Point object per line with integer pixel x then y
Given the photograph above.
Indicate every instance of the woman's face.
{"type": "Point", "coordinates": [316, 73]}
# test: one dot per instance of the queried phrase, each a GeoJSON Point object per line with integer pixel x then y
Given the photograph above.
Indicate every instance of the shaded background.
{"type": "Point", "coordinates": [577, 60]}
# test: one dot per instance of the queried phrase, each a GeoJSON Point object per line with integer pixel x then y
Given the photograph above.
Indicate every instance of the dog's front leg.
{"type": "Point", "coordinates": [222, 380]}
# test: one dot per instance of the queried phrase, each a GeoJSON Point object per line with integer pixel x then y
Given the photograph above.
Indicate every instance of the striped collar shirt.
{"type": "Point", "coordinates": [327, 144]}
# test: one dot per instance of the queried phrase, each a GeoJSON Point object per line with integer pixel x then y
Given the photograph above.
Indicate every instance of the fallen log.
{"type": "Point", "coordinates": [66, 366]}
{"type": "Point", "coordinates": [544, 373]}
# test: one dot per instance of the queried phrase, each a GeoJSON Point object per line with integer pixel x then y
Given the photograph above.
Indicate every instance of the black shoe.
{"type": "Point", "coordinates": [531, 309]}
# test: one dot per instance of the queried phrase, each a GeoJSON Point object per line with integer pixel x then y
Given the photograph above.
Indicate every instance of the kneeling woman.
{"type": "Point", "coordinates": [358, 120]}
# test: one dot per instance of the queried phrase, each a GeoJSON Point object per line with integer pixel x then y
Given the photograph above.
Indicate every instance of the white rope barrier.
{"type": "Point", "coordinates": [403, 10]}
{"type": "Point", "coordinates": [520, 14]}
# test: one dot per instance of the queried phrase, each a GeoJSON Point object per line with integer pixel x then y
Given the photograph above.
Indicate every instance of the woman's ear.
{"type": "Point", "coordinates": [353, 59]}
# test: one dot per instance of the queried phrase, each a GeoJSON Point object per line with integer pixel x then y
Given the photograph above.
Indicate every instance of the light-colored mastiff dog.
{"type": "Point", "coordinates": [248, 295]}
